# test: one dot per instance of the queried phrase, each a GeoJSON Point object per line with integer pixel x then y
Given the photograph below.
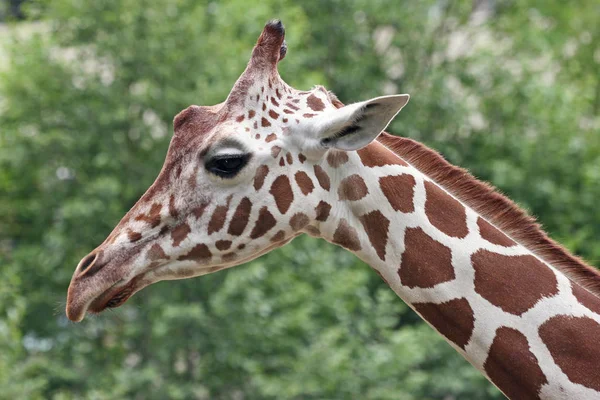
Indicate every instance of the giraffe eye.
{"type": "Point", "coordinates": [227, 166]}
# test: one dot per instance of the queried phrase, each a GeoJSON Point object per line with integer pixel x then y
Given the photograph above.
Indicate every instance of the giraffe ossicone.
{"type": "Point", "coordinates": [271, 162]}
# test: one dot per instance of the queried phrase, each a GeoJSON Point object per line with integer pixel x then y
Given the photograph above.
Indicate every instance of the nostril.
{"type": "Point", "coordinates": [87, 262]}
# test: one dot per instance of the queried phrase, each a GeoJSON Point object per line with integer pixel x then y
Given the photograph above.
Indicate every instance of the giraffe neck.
{"type": "Point", "coordinates": [516, 318]}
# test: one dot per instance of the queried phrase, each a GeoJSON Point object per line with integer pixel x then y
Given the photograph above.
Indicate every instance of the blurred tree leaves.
{"type": "Point", "coordinates": [509, 89]}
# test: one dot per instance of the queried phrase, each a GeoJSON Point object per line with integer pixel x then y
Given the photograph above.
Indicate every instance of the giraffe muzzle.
{"type": "Point", "coordinates": [100, 281]}
{"type": "Point", "coordinates": [96, 295]}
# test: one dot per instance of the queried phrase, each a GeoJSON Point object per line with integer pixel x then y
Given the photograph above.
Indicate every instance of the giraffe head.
{"type": "Point", "coordinates": [240, 179]}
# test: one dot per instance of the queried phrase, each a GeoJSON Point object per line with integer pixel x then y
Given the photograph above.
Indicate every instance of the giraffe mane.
{"type": "Point", "coordinates": [496, 208]}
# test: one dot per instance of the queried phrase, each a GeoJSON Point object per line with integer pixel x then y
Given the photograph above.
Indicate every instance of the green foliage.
{"type": "Point", "coordinates": [86, 100]}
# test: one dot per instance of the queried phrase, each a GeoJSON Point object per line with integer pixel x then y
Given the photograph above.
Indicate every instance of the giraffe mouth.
{"type": "Point", "coordinates": [115, 296]}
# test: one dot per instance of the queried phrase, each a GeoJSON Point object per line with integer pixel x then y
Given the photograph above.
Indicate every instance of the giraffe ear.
{"type": "Point", "coordinates": [354, 126]}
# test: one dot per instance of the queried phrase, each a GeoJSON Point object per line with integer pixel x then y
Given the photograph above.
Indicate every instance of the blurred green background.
{"type": "Point", "coordinates": [88, 90]}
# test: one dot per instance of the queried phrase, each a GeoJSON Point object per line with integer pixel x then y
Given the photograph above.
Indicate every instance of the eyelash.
{"type": "Point", "coordinates": [217, 165]}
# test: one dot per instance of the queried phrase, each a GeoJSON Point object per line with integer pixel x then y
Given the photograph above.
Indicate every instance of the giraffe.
{"type": "Point", "coordinates": [246, 176]}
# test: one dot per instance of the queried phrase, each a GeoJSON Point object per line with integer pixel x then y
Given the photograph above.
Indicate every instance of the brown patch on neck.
{"type": "Point", "coordinates": [312, 231]}
{"type": "Point", "coordinates": [322, 210]}
{"type": "Point", "coordinates": [346, 236]}
{"type": "Point", "coordinates": [336, 158]}
{"type": "Point", "coordinates": [322, 177]}
{"type": "Point", "coordinates": [304, 182]}
{"type": "Point", "coordinates": [454, 319]}
{"type": "Point", "coordinates": [373, 156]}
{"type": "Point", "coordinates": [445, 212]}
{"type": "Point", "coordinates": [278, 237]}
{"type": "Point", "coordinates": [399, 190]}
{"type": "Point", "coordinates": [513, 283]}
{"type": "Point", "coordinates": [587, 299]}
{"type": "Point", "coordinates": [299, 221]}
{"type": "Point", "coordinates": [425, 261]}
{"type": "Point", "coordinates": [513, 367]}
{"type": "Point", "coordinates": [352, 188]}
{"type": "Point", "coordinates": [493, 235]}
{"type": "Point", "coordinates": [376, 226]}
{"type": "Point", "coordinates": [494, 207]}
{"type": "Point", "coordinates": [576, 353]}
